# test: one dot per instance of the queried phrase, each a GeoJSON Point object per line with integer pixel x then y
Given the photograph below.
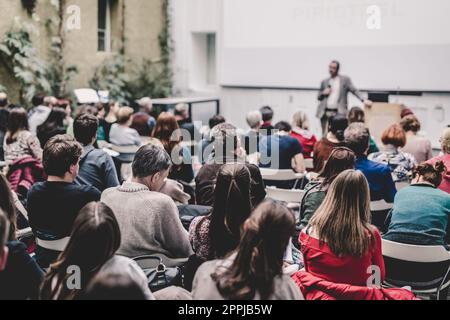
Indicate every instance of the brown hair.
{"type": "Point", "coordinates": [356, 114]}
{"type": "Point", "coordinates": [394, 135]}
{"type": "Point", "coordinates": [343, 219]}
{"type": "Point", "coordinates": [124, 115]}
{"type": "Point", "coordinates": [8, 207]}
{"type": "Point", "coordinates": [430, 173]}
{"type": "Point", "coordinates": [340, 159]}
{"type": "Point", "coordinates": [60, 152]}
{"type": "Point", "coordinates": [410, 123]}
{"type": "Point", "coordinates": [167, 131]}
{"type": "Point", "coordinates": [259, 257]}
{"type": "Point", "coordinates": [17, 121]}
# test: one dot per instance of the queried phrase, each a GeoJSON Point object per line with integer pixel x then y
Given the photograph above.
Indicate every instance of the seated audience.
{"type": "Point", "coordinates": [121, 134]}
{"type": "Point", "coordinates": [382, 187]}
{"type": "Point", "coordinates": [206, 146]}
{"type": "Point", "coordinates": [42, 106]}
{"type": "Point", "coordinates": [218, 233]}
{"type": "Point", "coordinates": [96, 166]}
{"type": "Point", "coordinates": [254, 271]}
{"type": "Point", "coordinates": [54, 204]}
{"type": "Point", "coordinates": [168, 132]}
{"type": "Point", "coordinates": [340, 159]}
{"type": "Point", "coordinates": [340, 244]}
{"type": "Point", "coordinates": [421, 211]}
{"type": "Point", "coordinates": [401, 163]}
{"type": "Point", "coordinates": [53, 126]}
{"type": "Point", "coordinates": [445, 157]}
{"type": "Point", "coordinates": [148, 219]}
{"type": "Point", "coordinates": [143, 122]}
{"type": "Point", "coordinates": [356, 114]}
{"type": "Point", "coordinates": [227, 150]}
{"type": "Point", "coordinates": [109, 117]}
{"type": "Point", "coordinates": [19, 142]}
{"type": "Point", "coordinates": [267, 117]}
{"type": "Point", "coordinates": [300, 131]}
{"type": "Point", "coordinates": [92, 247]}
{"type": "Point", "coordinates": [114, 287]}
{"type": "Point", "coordinates": [253, 136]}
{"type": "Point", "coordinates": [181, 114]}
{"type": "Point", "coordinates": [333, 139]}
{"type": "Point", "coordinates": [419, 147]}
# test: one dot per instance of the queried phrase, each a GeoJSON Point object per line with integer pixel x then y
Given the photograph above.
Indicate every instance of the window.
{"type": "Point", "coordinates": [203, 61]}
{"type": "Point", "coordinates": [104, 25]}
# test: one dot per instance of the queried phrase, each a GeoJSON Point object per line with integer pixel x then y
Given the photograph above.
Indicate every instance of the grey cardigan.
{"type": "Point", "coordinates": [149, 222]}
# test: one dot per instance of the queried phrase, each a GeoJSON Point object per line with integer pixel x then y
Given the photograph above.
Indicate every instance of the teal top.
{"type": "Point", "coordinates": [420, 216]}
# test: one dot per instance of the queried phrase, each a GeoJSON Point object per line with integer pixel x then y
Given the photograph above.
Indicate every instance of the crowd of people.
{"type": "Point", "coordinates": [61, 178]}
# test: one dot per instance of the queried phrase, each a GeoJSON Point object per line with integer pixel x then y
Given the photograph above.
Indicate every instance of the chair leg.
{"type": "Point", "coordinates": [443, 294]}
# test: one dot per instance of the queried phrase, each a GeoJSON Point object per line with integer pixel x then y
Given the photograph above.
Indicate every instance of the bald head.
{"type": "Point", "coordinates": [146, 104]}
{"type": "Point", "coordinates": [3, 100]}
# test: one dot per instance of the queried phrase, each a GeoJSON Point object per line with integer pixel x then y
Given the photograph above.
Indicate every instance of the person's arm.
{"type": "Point", "coordinates": [356, 93]}
{"type": "Point", "coordinates": [322, 94]}
{"type": "Point", "coordinates": [298, 160]}
{"type": "Point", "coordinates": [110, 177]}
{"type": "Point", "coordinates": [389, 186]}
{"type": "Point", "coordinates": [377, 258]}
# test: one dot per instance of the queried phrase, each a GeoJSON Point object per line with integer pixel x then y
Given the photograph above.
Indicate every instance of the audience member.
{"type": "Point", "coordinates": [114, 287]}
{"type": "Point", "coordinates": [184, 121]}
{"type": "Point", "coordinates": [382, 187]}
{"type": "Point", "coordinates": [356, 114]}
{"type": "Point", "coordinates": [419, 147]}
{"type": "Point", "coordinates": [400, 163]}
{"type": "Point", "coordinates": [421, 211]}
{"type": "Point", "coordinates": [143, 122]}
{"type": "Point", "coordinates": [148, 219]}
{"type": "Point", "coordinates": [255, 270]}
{"type": "Point", "coordinates": [445, 157]}
{"type": "Point", "coordinates": [206, 145]}
{"type": "Point", "coordinates": [300, 131]}
{"type": "Point", "coordinates": [121, 134]}
{"type": "Point", "coordinates": [54, 204]}
{"type": "Point", "coordinates": [267, 117]}
{"type": "Point", "coordinates": [253, 136]}
{"type": "Point", "coordinates": [42, 106]}
{"type": "Point", "coordinates": [52, 126]}
{"type": "Point", "coordinates": [110, 111]}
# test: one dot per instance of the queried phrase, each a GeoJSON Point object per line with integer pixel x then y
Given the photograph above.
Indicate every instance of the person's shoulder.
{"type": "Point", "coordinates": [83, 189]}
{"type": "Point", "coordinates": [37, 187]}
{"type": "Point", "coordinates": [378, 166]}
{"type": "Point", "coordinates": [16, 247]}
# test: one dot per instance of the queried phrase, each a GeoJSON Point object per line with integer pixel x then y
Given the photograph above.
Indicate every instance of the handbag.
{"type": "Point", "coordinates": [158, 275]}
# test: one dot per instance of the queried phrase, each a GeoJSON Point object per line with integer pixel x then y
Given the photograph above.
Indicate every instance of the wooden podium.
{"type": "Point", "coordinates": [380, 116]}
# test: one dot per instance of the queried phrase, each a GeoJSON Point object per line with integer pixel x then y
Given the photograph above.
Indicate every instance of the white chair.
{"type": "Point", "coordinates": [280, 175]}
{"type": "Point", "coordinates": [309, 164]}
{"type": "Point", "coordinates": [425, 269]}
{"type": "Point", "coordinates": [286, 195]}
{"type": "Point", "coordinates": [380, 205]}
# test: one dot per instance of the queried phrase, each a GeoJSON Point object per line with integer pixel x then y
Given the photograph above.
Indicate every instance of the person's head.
{"type": "Point", "coordinates": [300, 120]}
{"type": "Point", "coordinates": [406, 112]}
{"type": "Point", "coordinates": [7, 206]}
{"type": "Point", "coordinates": [4, 231]}
{"type": "Point", "coordinates": [226, 141]}
{"type": "Point", "coordinates": [334, 68]}
{"type": "Point", "coordinates": [3, 100]}
{"type": "Point", "coordinates": [146, 105]}
{"type": "Point", "coordinates": [113, 286]}
{"type": "Point", "coordinates": [410, 124]}
{"type": "Point", "coordinates": [356, 114]}
{"type": "Point", "coordinates": [50, 101]}
{"type": "Point", "coordinates": [254, 119]}
{"type": "Point", "coordinates": [54, 120]}
{"type": "Point", "coordinates": [340, 159]}
{"type": "Point", "coordinates": [429, 173]}
{"type": "Point", "coordinates": [394, 135]}
{"type": "Point", "coordinates": [151, 166]}
{"type": "Point", "coordinates": [17, 121]}
{"type": "Point", "coordinates": [181, 111]}
{"type": "Point", "coordinates": [357, 138]}
{"type": "Point", "coordinates": [259, 258]}
{"type": "Point", "coordinates": [112, 107]}
{"type": "Point", "coordinates": [94, 240]}
{"type": "Point", "coordinates": [215, 120]}
{"type": "Point", "coordinates": [167, 131]}
{"type": "Point", "coordinates": [125, 116]}
{"type": "Point", "coordinates": [267, 113]}
{"type": "Point", "coordinates": [337, 126]}
{"type": "Point", "coordinates": [37, 100]}
{"type": "Point", "coordinates": [343, 219]}
{"type": "Point", "coordinates": [61, 157]}
{"type": "Point", "coordinates": [85, 128]}
{"type": "Point", "coordinates": [283, 126]}
{"type": "Point", "coordinates": [232, 206]}
{"type": "Point", "coordinates": [445, 140]}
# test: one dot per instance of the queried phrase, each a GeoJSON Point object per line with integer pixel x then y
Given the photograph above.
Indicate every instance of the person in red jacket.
{"type": "Point", "coordinates": [300, 131]}
{"type": "Point", "coordinates": [340, 245]}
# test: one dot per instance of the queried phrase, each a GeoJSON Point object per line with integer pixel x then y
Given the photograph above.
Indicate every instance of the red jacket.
{"type": "Point", "coordinates": [306, 139]}
{"type": "Point", "coordinates": [25, 172]}
{"type": "Point", "coordinates": [314, 288]}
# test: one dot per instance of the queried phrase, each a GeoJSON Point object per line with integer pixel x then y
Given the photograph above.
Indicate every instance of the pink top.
{"type": "Point", "coordinates": [445, 185]}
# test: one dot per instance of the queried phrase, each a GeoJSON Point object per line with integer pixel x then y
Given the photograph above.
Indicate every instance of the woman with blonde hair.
{"type": "Point", "coordinates": [340, 244]}
{"type": "Point", "coordinates": [300, 131]}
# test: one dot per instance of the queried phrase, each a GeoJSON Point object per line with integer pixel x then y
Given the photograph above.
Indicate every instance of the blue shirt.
{"type": "Point", "coordinates": [379, 177]}
{"type": "Point", "coordinates": [277, 151]}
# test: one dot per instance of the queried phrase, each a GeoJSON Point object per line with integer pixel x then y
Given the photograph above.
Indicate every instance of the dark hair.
{"type": "Point", "coordinates": [337, 126]}
{"type": "Point", "coordinates": [113, 286]}
{"type": "Point", "coordinates": [149, 160]}
{"type": "Point", "coordinates": [356, 114]}
{"type": "Point", "coordinates": [410, 123]}
{"type": "Point", "coordinates": [85, 128]}
{"type": "Point", "coordinates": [17, 121]}
{"type": "Point", "coordinates": [37, 100]}
{"type": "Point", "coordinates": [7, 206]}
{"type": "Point", "coordinates": [431, 173]}
{"type": "Point", "coordinates": [60, 152]}
{"type": "Point", "coordinates": [340, 159]}
{"type": "Point", "coordinates": [141, 124]}
{"type": "Point", "coordinates": [260, 253]}
{"type": "Point", "coordinates": [94, 240]}
{"type": "Point", "coordinates": [85, 108]}
{"type": "Point", "coordinates": [267, 113]}
{"type": "Point", "coordinates": [394, 135]}
{"type": "Point", "coordinates": [357, 138]}
{"type": "Point", "coordinates": [55, 121]}
{"type": "Point", "coordinates": [4, 102]}
{"type": "Point", "coordinates": [338, 64]}
{"type": "Point", "coordinates": [283, 126]}
{"type": "Point", "coordinates": [232, 206]}
{"type": "Point", "coordinates": [215, 120]}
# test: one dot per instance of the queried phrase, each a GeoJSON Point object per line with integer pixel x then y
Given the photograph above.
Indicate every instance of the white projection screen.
{"type": "Point", "coordinates": [382, 45]}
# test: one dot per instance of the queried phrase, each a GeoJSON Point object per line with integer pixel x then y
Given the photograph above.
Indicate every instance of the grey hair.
{"type": "Point", "coordinates": [149, 160]}
{"type": "Point", "coordinates": [445, 140]}
{"type": "Point", "coordinates": [357, 138]}
{"type": "Point", "coordinates": [300, 120]}
{"type": "Point", "coordinates": [225, 138]}
{"type": "Point", "coordinates": [254, 119]}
